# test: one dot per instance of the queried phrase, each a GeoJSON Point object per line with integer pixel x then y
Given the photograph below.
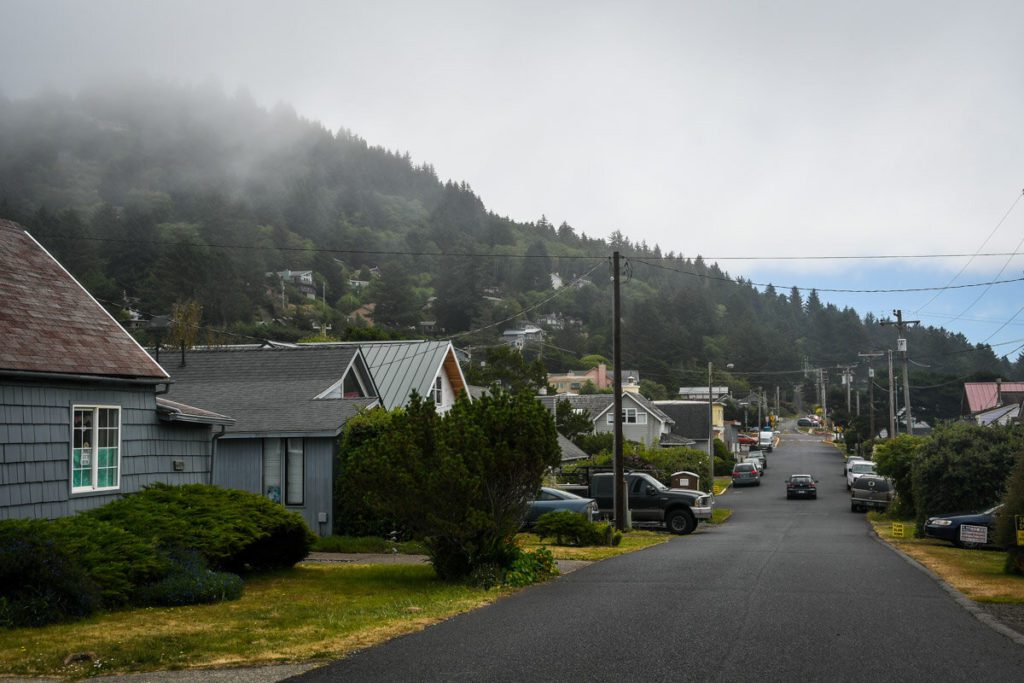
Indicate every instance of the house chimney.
{"type": "Point", "coordinates": [602, 376]}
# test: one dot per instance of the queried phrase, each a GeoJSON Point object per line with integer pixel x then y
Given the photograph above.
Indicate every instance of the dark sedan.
{"type": "Point", "coordinates": [801, 486]}
{"type": "Point", "coordinates": [550, 500]}
{"type": "Point", "coordinates": [970, 530]}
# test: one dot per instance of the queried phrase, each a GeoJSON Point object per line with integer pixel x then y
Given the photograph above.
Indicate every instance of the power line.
{"type": "Point", "coordinates": [832, 290]}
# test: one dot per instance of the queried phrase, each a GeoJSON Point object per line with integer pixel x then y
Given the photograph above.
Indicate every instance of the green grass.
{"type": "Point", "coordinates": [309, 612]}
{"type": "Point", "coordinates": [631, 541]}
{"type": "Point", "coordinates": [366, 544]}
{"type": "Point", "coordinates": [720, 515]}
{"type": "Point", "coordinates": [978, 574]}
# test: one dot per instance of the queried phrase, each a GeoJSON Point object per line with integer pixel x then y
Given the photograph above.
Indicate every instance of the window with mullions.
{"type": "Point", "coordinates": [284, 471]}
{"type": "Point", "coordinates": [95, 448]}
{"type": "Point", "coordinates": [629, 416]}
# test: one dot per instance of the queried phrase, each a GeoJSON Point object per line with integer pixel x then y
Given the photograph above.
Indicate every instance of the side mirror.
{"type": "Point", "coordinates": [650, 490]}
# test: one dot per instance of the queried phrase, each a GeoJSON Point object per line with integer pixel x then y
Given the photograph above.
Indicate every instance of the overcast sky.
{"type": "Point", "coordinates": [809, 128]}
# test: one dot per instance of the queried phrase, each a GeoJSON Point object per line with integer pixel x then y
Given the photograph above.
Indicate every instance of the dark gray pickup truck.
{"type": "Point", "coordinates": [652, 501]}
{"type": "Point", "coordinates": [870, 491]}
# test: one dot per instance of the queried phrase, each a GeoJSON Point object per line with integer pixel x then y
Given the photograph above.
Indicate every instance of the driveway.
{"type": "Point", "coordinates": [795, 590]}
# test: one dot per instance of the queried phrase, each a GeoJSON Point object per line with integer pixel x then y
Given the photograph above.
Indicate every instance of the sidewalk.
{"type": "Point", "coordinates": [564, 566]}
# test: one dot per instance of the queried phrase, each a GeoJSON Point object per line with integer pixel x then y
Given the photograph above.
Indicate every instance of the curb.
{"type": "Point", "coordinates": [958, 597]}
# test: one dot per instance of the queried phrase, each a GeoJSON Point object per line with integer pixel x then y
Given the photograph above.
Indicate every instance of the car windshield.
{"type": "Point", "coordinates": [862, 468]}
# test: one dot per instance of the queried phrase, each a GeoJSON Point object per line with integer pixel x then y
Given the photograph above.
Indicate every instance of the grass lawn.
{"type": "Point", "coordinates": [978, 574]}
{"type": "Point", "coordinates": [631, 540]}
{"type": "Point", "coordinates": [720, 515]}
{"type": "Point", "coordinates": [366, 544]}
{"type": "Point", "coordinates": [309, 612]}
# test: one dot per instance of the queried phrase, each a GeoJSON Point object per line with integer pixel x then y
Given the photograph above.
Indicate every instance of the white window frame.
{"type": "Point", "coordinates": [438, 391]}
{"type": "Point", "coordinates": [93, 453]}
{"type": "Point", "coordinates": [638, 417]}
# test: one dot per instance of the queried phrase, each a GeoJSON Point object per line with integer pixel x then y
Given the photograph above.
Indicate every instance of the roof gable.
{"type": "Point", "coordinates": [984, 395]}
{"type": "Point", "coordinates": [50, 323]}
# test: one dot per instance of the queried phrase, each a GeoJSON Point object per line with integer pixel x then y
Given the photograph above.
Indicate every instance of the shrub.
{"type": "Point", "coordinates": [40, 582]}
{"type": "Point", "coordinates": [458, 481]}
{"type": "Point", "coordinates": [233, 530]}
{"type": "Point", "coordinates": [116, 561]}
{"type": "Point", "coordinates": [531, 567]}
{"type": "Point", "coordinates": [963, 467]}
{"type": "Point", "coordinates": [895, 459]}
{"type": "Point", "coordinates": [191, 582]}
{"type": "Point", "coordinates": [1013, 506]}
{"type": "Point", "coordinates": [568, 528]}
{"type": "Point", "coordinates": [593, 444]}
{"type": "Point", "coordinates": [353, 514]}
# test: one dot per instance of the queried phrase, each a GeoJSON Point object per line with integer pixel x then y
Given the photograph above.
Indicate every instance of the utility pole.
{"type": "Point", "coordinates": [619, 488]}
{"type": "Point", "coordinates": [711, 434]}
{"type": "Point", "coordinates": [892, 400]}
{"type": "Point", "coordinates": [871, 387]}
{"type": "Point", "coordinates": [901, 347]}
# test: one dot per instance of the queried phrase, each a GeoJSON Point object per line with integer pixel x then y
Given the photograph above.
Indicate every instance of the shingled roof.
{"type": "Point", "coordinates": [273, 390]}
{"type": "Point", "coordinates": [50, 323]}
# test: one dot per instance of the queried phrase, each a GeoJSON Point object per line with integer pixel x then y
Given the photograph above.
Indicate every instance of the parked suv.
{"type": "Point", "coordinates": [871, 491]}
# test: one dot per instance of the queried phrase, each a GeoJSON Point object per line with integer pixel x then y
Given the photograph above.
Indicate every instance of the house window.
{"type": "Point", "coordinates": [437, 392]}
{"type": "Point", "coordinates": [95, 448]}
{"type": "Point", "coordinates": [284, 465]}
{"type": "Point", "coordinates": [630, 416]}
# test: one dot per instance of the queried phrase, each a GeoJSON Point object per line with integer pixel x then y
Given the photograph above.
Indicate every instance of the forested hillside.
{"type": "Point", "coordinates": [154, 194]}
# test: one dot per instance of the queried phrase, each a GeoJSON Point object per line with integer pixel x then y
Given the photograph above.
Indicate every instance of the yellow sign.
{"type": "Point", "coordinates": [897, 529]}
{"type": "Point", "coordinates": [1019, 519]}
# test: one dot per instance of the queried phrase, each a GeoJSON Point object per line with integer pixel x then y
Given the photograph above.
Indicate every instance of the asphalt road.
{"type": "Point", "coordinates": [796, 590]}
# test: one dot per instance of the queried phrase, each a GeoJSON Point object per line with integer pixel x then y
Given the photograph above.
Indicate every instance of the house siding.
{"type": "Point", "coordinates": [35, 446]}
{"type": "Point", "coordinates": [239, 465]}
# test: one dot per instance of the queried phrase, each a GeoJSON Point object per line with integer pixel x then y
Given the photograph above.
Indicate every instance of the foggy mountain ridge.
{"type": "Point", "coordinates": [150, 172]}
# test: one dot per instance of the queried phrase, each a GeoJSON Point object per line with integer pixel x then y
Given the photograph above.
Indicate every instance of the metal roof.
{"type": "Point", "coordinates": [50, 323]}
{"type": "Point", "coordinates": [985, 395]}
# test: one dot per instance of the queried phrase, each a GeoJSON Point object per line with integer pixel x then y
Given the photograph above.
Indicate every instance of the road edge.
{"type": "Point", "coordinates": [979, 613]}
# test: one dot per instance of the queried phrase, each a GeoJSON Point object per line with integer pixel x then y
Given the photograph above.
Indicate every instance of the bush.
{"type": "Point", "coordinates": [594, 444]}
{"type": "Point", "coordinates": [116, 561]}
{"type": "Point", "coordinates": [232, 530]}
{"type": "Point", "coordinates": [40, 582]}
{"type": "Point", "coordinates": [660, 462]}
{"type": "Point", "coordinates": [963, 467]}
{"type": "Point", "coordinates": [1013, 505]}
{"type": "Point", "coordinates": [895, 459]}
{"type": "Point", "coordinates": [572, 529]}
{"type": "Point", "coordinates": [191, 582]}
{"type": "Point", "coordinates": [531, 567]}
{"type": "Point", "coordinates": [458, 481]}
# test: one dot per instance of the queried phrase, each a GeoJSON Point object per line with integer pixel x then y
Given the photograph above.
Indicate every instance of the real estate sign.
{"type": "Point", "coordinates": [970, 533]}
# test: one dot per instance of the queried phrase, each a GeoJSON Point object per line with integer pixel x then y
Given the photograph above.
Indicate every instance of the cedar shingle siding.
{"type": "Point", "coordinates": [35, 446]}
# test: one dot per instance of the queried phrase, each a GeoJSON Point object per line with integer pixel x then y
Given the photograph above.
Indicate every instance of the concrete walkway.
{"type": "Point", "coordinates": [564, 566]}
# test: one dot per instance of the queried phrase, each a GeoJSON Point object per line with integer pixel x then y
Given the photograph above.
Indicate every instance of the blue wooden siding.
{"type": "Point", "coordinates": [35, 446]}
{"type": "Point", "coordinates": [238, 464]}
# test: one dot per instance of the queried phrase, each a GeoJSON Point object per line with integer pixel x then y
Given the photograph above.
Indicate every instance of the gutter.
{"type": "Point", "coordinates": [213, 450]}
{"type": "Point", "coordinates": [63, 376]}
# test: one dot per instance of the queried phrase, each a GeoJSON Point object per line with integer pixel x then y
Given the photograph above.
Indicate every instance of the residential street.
{"type": "Point", "coordinates": [795, 590]}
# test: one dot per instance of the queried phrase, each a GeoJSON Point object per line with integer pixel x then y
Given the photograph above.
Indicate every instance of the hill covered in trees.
{"type": "Point", "coordinates": [154, 194]}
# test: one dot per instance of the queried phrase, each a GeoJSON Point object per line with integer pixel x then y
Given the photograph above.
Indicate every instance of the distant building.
{"type": "Point", "coordinates": [302, 279]}
{"type": "Point", "coordinates": [701, 393]}
{"type": "Point", "coordinates": [518, 337]}
{"type": "Point", "coordinates": [571, 382]}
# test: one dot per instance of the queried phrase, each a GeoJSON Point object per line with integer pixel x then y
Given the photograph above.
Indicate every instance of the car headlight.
{"type": "Point", "coordinates": [939, 522]}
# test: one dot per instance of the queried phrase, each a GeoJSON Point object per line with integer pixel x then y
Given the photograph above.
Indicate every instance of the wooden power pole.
{"type": "Point", "coordinates": [619, 488]}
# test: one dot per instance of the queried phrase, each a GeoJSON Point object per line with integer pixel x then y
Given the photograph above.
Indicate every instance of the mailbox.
{"type": "Point", "coordinates": [685, 480]}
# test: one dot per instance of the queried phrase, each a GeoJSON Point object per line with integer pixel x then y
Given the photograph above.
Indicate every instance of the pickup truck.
{"type": "Point", "coordinates": [652, 501]}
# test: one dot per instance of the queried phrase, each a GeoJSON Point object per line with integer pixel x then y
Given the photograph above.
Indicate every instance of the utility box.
{"type": "Point", "coordinates": [685, 480]}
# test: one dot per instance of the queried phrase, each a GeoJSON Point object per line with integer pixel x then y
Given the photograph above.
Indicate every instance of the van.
{"type": "Point", "coordinates": [765, 440]}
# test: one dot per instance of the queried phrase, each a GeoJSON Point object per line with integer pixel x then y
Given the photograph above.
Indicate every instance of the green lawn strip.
{"type": "Point", "coordinates": [309, 612]}
{"type": "Point", "coordinates": [720, 515]}
{"type": "Point", "coordinates": [366, 544]}
{"type": "Point", "coordinates": [978, 574]}
{"type": "Point", "coordinates": [631, 541]}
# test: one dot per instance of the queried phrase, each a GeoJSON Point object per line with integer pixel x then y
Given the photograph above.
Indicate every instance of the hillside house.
{"type": "Point", "coordinates": [642, 421]}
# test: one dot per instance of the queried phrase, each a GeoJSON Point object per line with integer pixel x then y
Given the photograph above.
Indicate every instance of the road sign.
{"type": "Point", "coordinates": [1020, 529]}
{"type": "Point", "coordinates": [969, 533]}
{"type": "Point", "coordinates": [898, 530]}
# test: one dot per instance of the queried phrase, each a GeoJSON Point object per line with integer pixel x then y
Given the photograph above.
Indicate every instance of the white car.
{"type": "Point", "coordinates": [858, 469]}
{"type": "Point", "coordinates": [756, 462]}
{"type": "Point", "coordinates": [849, 462]}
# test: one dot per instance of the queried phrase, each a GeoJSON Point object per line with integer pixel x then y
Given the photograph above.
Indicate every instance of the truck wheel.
{"type": "Point", "coordinates": [680, 522]}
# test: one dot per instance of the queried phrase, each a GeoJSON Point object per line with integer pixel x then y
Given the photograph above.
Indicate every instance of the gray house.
{"type": "Point", "coordinates": [290, 404]}
{"type": "Point", "coordinates": [81, 416]}
{"type": "Point", "coordinates": [642, 421]}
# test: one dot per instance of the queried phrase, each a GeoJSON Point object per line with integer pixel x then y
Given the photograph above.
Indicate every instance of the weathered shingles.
{"type": "Point", "coordinates": [48, 323]}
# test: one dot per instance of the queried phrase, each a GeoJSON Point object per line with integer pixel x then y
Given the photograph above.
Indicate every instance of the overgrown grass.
{"type": "Point", "coordinates": [366, 544]}
{"type": "Point", "coordinates": [631, 541]}
{"type": "Point", "coordinates": [309, 612]}
{"type": "Point", "coordinates": [719, 515]}
{"type": "Point", "coordinates": [978, 574]}
{"type": "Point", "coordinates": [722, 484]}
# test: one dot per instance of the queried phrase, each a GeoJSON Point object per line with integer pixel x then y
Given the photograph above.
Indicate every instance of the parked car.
{"type": "Point", "coordinates": [801, 486]}
{"type": "Point", "coordinates": [746, 440]}
{"type": "Point", "coordinates": [678, 510]}
{"type": "Point", "coordinates": [765, 440]}
{"type": "Point", "coordinates": [804, 422]}
{"type": "Point", "coordinates": [746, 474]}
{"type": "Point", "coordinates": [760, 458]}
{"type": "Point", "coordinates": [871, 491]}
{"type": "Point", "coordinates": [850, 461]}
{"type": "Point", "coordinates": [550, 500]}
{"type": "Point", "coordinates": [950, 527]}
{"type": "Point", "coordinates": [858, 469]}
